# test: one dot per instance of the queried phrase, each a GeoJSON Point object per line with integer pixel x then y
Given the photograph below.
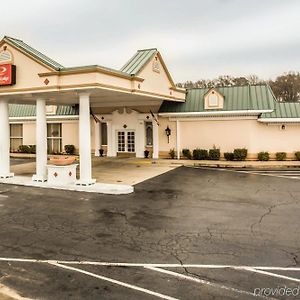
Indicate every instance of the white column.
{"type": "Point", "coordinates": [155, 140]}
{"type": "Point", "coordinates": [4, 141]}
{"type": "Point", "coordinates": [178, 139]}
{"type": "Point", "coordinates": [85, 155]}
{"type": "Point", "coordinates": [41, 142]}
{"type": "Point", "coordinates": [97, 138]}
{"type": "Point", "coordinates": [109, 139]}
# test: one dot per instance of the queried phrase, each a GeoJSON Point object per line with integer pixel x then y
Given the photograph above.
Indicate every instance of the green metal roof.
{"type": "Point", "coordinates": [138, 61]}
{"type": "Point", "coordinates": [24, 110]}
{"type": "Point", "coordinates": [33, 52]}
{"type": "Point", "coordinates": [284, 110]}
{"type": "Point", "coordinates": [91, 67]}
{"type": "Point", "coordinates": [255, 97]}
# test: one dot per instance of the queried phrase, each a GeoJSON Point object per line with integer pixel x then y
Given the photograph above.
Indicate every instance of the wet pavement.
{"type": "Point", "coordinates": [185, 216]}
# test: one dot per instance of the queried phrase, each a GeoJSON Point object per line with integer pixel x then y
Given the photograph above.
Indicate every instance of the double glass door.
{"type": "Point", "coordinates": [126, 141]}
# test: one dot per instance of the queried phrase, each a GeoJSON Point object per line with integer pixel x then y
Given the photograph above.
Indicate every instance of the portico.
{"type": "Point", "coordinates": [125, 100]}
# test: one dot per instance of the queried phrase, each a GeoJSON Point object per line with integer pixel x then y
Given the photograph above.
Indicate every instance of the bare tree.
{"type": "Point", "coordinates": [287, 87]}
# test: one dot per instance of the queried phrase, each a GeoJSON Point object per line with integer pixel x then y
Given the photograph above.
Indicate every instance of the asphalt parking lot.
{"type": "Point", "coordinates": [187, 234]}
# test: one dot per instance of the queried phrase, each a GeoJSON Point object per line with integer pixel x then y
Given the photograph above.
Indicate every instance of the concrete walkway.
{"type": "Point", "coordinates": [122, 171]}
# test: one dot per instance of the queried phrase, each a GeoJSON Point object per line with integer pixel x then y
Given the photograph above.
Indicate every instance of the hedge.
{"type": "Point", "coordinates": [200, 154]}
{"type": "Point", "coordinates": [240, 154]}
{"type": "Point", "coordinates": [263, 156]}
{"type": "Point", "coordinates": [281, 156]}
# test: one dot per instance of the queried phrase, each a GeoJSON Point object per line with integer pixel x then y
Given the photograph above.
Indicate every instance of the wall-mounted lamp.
{"type": "Point", "coordinates": [168, 133]}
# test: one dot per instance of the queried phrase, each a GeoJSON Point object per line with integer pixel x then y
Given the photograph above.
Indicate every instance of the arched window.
{"type": "Point", "coordinates": [149, 133]}
{"type": "Point", "coordinates": [5, 56]}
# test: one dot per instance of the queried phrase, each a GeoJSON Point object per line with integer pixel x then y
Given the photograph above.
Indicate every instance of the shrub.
{"type": "Point", "coordinates": [24, 149]}
{"type": "Point", "coordinates": [214, 154]}
{"type": "Point", "coordinates": [70, 149]}
{"type": "Point", "coordinates": [172, 153]}
{"type": "Point", "coordinates": [32, 149]}
{"type": "Point", "coordinates": [200, 154]}
{"type": "Point", "coordinates": [281, 156]}
{"type": "Point", "coordinates": [229, 155]}
{"type": "Point", "coordinates": [297, 154]}
{"type": "Point", "coordinates": [263, 156]}
{"type": "Point", "coordinates": [240, 154]}
{"type": "Point", "coordinates": [187, 153]}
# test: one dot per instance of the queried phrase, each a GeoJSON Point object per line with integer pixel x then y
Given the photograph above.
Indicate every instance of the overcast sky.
{"type": "Point", "coordinates": [197, 38]}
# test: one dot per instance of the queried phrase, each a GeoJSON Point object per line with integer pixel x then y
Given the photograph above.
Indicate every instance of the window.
{"type": "Point", "coordinates": [103, 134]}
{"type": "Point", "coordinates": [16, 137]}
{"type": "Point", "coordinates": [121, 141]}
{"type": "Point", "coordinates": [213, 100]}
{"type": "Point", "coordinates": [149, 133]}
{"type": "Point", "coordinates": [130, 141]}
{"type": "Point", "coordinates": [54, 138]}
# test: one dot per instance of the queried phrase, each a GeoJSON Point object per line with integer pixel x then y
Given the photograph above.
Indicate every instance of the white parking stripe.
{"type": "Point", "coordinates": [123, 264]}
{"type": "Point", "coordinates": [281, 175]}
{"type": "Point", "coordinates": [272, 274]}
{"type": "Point", "coordinates": [202, 281]}
{"type": "Point", "coordinates": [121, 283]}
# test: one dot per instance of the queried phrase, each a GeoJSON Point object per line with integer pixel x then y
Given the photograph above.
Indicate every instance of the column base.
{"type": "Point", "coordinates": [7, 175]}
{"type": "Point", "coordinates": [85, 182]}
{"type": "Point", "coordinates": [38, 178]}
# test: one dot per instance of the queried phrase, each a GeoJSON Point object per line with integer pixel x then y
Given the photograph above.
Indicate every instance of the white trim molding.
{"type": "Point", "coordinates": [33, 118]}
{"type": "Point", "coordinates": [216, 113]}
{"type": "Point", "coordinates": [279, 120]}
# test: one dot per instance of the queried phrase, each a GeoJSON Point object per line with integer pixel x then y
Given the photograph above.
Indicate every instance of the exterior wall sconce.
{"type": "Point", "coordinates": [168, 133]}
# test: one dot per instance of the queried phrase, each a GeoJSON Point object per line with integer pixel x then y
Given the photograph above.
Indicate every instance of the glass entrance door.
{"type": "Point", "coordinates": [126, 141]}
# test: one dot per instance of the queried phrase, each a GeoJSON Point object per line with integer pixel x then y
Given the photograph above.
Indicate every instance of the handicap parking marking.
{"type": "Point", "coordinates": [269, 271]}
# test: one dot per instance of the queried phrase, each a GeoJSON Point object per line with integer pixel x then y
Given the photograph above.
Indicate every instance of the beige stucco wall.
{"type": "Point", "coordinates": [70, 134]}
{"type": "Point", "coordinates": [155, 82]}
{"type": "Point", "coordinates": [230, 134]}
{"type": "Point", "coordinates": [29, 133]}
{"type": "Point", "coordinates": [164, 146]}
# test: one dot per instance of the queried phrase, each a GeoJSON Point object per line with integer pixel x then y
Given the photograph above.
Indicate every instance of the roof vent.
{"type": "Point", "coordinates": [5, 56]}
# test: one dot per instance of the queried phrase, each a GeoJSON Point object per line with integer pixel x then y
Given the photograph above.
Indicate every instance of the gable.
{"type": "Point", "coordinates": [27, 68]}
{"type": "Point", "coordinates": [156, 77]}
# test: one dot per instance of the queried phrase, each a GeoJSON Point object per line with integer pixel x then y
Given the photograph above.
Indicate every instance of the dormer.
{"type": "Point", "coordinates": [213, 99]}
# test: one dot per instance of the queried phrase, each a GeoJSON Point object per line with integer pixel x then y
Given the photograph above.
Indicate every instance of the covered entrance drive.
{"type": "Point", "coordinates": [120, 98]}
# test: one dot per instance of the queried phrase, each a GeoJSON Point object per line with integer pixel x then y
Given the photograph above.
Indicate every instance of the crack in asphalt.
{"type": "Point", "coordinates": [269, 211]}
{"type": "Point", "coordinates": [294, 258]}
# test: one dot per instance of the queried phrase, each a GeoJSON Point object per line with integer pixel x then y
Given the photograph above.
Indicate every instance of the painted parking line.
{"type": "Point", "coordinates": [117, 282]}
{"type": "Point", "coordinates": [202, 281]}
{"type": "Point", "coordinates": [273, 274]}
{"type": "Point", "coordinates": [288, 174]}
{"type": "Point", "coordinates": [163, 268]}
{"type": "Point", "coordinates": [158, 265]}
{"type": "Point", "coordinates": [278, 174]}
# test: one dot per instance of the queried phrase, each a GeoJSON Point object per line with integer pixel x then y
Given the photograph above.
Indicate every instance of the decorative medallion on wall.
{"type": "Point", "coordinates": [124, 126]}
{"type": "Point", "coordinates": [55, 174]}
{"type": "Point", "coordinates": [156, 65]}
{"type": "Point", "coordinates": [46, 81]}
